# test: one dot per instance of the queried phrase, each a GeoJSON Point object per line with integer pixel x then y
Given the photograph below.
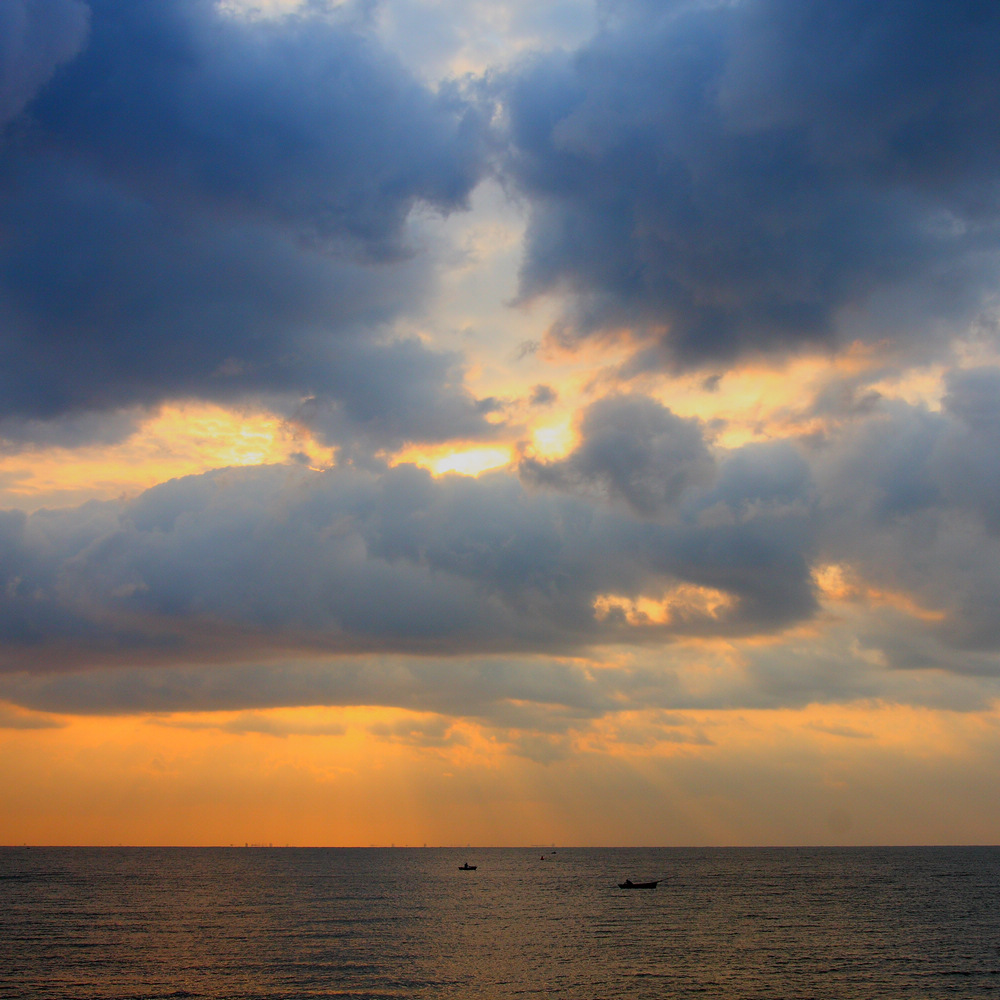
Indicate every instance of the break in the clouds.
{"type": "Point", "coordinates": [201, 204]}
{"type": "Point", "coordinates": [724, 178]}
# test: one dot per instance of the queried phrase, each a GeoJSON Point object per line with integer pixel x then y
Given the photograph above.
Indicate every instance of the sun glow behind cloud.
{"type": "Point", "coordinates": [679, 604]}
{"type": "Point", "coordinates": [179, 439]}
{"type": "Point", "coordinates": [467, 462]}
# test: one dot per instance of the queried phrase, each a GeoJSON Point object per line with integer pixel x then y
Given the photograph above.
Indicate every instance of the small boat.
{"type": "Point", "coordinates": [467, 867]}
{"type": "Point", "coordinates": [629, 884]}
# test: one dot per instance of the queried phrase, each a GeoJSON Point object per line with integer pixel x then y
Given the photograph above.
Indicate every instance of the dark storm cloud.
{"type": "Point", "coordinates": [110, 299]}
{"type": "Point", "coordinates": [302, 121]}
{"type": "Point", "coordinates": [726, 178]}
{"type": "Point", "coordinates": [206, 205]}
{"type": "Point", "coordinates": [88, 427]}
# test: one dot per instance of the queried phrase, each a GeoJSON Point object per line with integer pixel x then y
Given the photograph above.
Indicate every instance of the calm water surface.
{"type": "Point", "coordinates": [389, 923]}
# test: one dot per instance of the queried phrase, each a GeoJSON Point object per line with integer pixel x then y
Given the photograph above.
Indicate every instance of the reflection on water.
{"type": "Point", "coordinates": [299, 923]}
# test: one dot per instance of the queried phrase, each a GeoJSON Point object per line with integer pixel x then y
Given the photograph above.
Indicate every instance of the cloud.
{"type": "Point", "coordinates": [81, 428]}
{"type": "Point", "coordinates": [200, 204]}
{"type": "Point", "coordinates": [547, 695]}
{"type": "Point", "coordinates": [384, 395]}
{"type": "Point", "coordinates": [634, 449]}
{"type": "Point", "coordinates": [424, 733]}
{"type": "Point", "coordinates": [303, 121]}
{"type": "Point", "coordinates": [848, 732]}
{"type": "Point", "coordinates": [742, 523]}
{"type": "Point", "coordinates": [281, 559]}
{"type": "Point", "coordinates": [493, 689]}
{"type": "Point", "coordinates": [14, 718]}
{"type": "Point", "coordinates": [36, 37]}
{"type": "Point", "coordinates": [880, 535]}
{"type": "Point", "coordinates": [543, 395]}
{"type": "Point", "coordinates": [257, 723]}
{"type": "Point", "coordinates": [910, 499]}
{"type": "Point", "coordinates": [721, 179]}
{"type": "Point", "coordinates": [969, 458]}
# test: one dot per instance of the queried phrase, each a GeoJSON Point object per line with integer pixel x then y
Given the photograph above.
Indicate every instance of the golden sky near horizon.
{"type": "Point", "coordinates": [356, 777]}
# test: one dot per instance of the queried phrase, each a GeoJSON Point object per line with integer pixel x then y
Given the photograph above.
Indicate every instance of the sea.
{"type": "Point", "coordinates": [259, 923]}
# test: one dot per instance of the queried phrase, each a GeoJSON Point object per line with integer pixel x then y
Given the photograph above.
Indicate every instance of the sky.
{"type": "Point", "coordinates": [449, 422]}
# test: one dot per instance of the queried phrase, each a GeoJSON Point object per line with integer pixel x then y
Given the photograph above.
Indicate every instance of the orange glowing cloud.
{"type": "Point", "coordinates": [681, 603]}
{"type": "Point", "coordinates": [179, 439]}
{"type": "Point", "coordinates": [466, 461]}
{"type": "Point", "coordinates": [837, 584]}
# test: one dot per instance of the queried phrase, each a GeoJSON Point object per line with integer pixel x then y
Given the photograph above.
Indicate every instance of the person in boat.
{"type": "Point", "coordinates": [628, 881]}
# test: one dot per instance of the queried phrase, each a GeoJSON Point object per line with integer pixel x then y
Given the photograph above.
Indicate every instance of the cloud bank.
{"type": "Point", "coordinates": [579, 555]}
{"type": "Point", "coordinates": [720, 179]}
{"type": "Point", "coordinates": [348, 560]}
{"type": "Point", "coordinates": [198, 204]}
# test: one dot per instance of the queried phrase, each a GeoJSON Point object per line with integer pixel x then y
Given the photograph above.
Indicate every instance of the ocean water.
{"type": "Point", "coordinates": [823, 924]}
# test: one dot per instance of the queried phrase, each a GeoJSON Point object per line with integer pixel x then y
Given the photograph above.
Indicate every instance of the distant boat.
{"type": "Point", "coordinates": [467, 867]}
{"type": "Point", "coordinates": [629, 884]}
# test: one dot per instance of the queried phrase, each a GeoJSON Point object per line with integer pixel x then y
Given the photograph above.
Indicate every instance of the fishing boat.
{"type": "Point", "coordinates": [629, 884]}
{"type": "Point", "coordinates": [467, 867]}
